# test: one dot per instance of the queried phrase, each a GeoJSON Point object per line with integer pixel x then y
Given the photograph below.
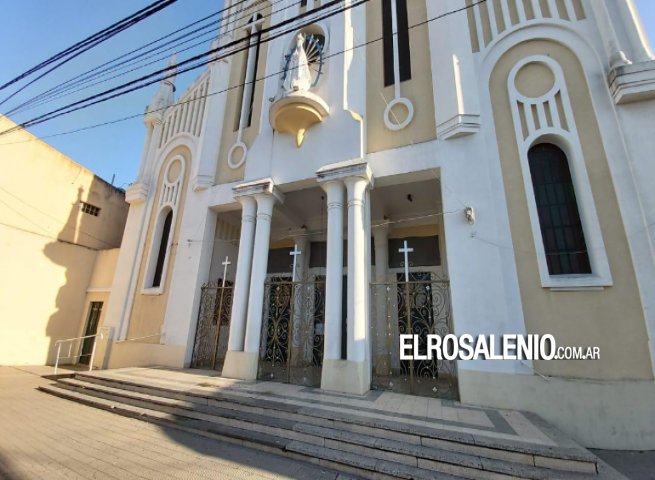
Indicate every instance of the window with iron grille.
{"type": "Point", "coordinates": [557, 208]}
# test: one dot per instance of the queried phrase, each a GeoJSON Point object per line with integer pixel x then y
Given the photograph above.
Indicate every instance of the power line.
{"type": "Point", "coordinates": [89, 74]}
{"type": "Point", "coordinates": [86, 45]}
{"type": "Point", "coordinates": [65, 88]}
{"type": "Point", "coordinates": [75, 47]}
{"type": "Point", "coordinates": [262, 78]}
{"type": "Point", "coordinates": [169, 72]}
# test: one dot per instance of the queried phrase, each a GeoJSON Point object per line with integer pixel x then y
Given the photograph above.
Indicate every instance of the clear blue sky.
{"type": "Point", "coordinates": [33, 30]}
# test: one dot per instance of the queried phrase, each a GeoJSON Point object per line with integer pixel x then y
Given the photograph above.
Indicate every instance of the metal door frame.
{"type": "Point", "coordinates": [215, 308]}
{"type": "Point", "coordinates": [300, 294]}
{"type": "Point", "coordinates": [441, 323]}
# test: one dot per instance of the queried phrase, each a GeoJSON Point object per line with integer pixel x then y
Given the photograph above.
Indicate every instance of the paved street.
{"type": "Point", "coordinates": [45, 437]}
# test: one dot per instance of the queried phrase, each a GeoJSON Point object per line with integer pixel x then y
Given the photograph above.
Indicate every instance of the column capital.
{"type": "Point", "coordinates": [248, 208]}
{"type": "Point", "coordinates": [357, 168]}
{"type": "Point", "coordinates": [335, 190]}
{"type": "Point", "coordinates": [265, 204]}
{"type": "Point", "coordinates": [380, 231]}
{"type": "Point", "coordinates": [264, 186]}
{"type": "Point", "coordinates": [299, 235]}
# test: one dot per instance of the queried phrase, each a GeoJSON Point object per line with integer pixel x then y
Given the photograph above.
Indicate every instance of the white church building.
{"type": "Point", "coordinates": [374, 168]}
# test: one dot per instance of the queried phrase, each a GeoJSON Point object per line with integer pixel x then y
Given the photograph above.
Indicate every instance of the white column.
{"type": "Point", "coordinates": [354, 374]}
{"type": "Point", "coordinates": [333, 269]}
{"type": "Point", "coordinates": [265, 203]}
{"type": "Point", "coordinates": [242, 279]}
{"type": "Point", "coordinates": [357, 281]}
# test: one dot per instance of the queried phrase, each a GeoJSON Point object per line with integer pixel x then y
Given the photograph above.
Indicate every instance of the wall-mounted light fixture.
{"type": "Point", "coordinates": [470, 215]}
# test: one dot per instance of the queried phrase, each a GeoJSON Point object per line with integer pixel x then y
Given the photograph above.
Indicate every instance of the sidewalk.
{"type": "Point", "coordinates": [44, 437]}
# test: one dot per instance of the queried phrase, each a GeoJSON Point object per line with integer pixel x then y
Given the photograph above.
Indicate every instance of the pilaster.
{"type": "Point", "coordinates": [457, 109]}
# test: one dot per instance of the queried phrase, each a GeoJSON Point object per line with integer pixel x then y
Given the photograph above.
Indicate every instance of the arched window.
{"type": "Point", "coordinates": [163, 248]}
{"type": "Point", "coordinates": [557, 208]}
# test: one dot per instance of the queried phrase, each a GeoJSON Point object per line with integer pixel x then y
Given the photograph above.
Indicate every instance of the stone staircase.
{"type": "Point", "coordinates": [358, 442]}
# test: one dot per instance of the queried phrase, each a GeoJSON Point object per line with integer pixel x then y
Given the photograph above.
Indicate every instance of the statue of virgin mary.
{"type": "Point", "coordinates": [298, 77]}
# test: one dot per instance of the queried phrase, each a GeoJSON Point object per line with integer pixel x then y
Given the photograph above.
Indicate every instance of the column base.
{"type": "Point", "coordinates": [240, 365]}
{"type": "Point", "coordinates": [346, 376]}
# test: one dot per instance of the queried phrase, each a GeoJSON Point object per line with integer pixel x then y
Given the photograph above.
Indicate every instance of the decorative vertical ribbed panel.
{"type": "Point", "coordinates": [227, 232]}
{"type": "Point", "coordinates": [492, 19]}
{"type": "Point", "coordinates": [186, 115]}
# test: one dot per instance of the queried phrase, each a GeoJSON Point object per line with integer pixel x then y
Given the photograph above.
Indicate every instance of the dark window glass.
{"type": "Point", "coordinates": [245, 80]}
{"type": "Point", "coordinates": [405, 63]}
{"type": "Point", "coordinates": [559, 218]}
{"type": "Point", "coordinates": [251, 100]}
{"type": "Point", "coordinates": [91, 329]}
{"type": "Point", "coordinates": [163, 244]}
{"type": "Point", "coordinates": [280, 260]}
{"type": "Point", "coordinates": [426, 252]}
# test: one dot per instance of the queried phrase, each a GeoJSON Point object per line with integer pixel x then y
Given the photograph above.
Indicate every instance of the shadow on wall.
{"type": "Point", "coordinates": [6, 468]}
{"type": "Point", "coordinates": [76, 250]}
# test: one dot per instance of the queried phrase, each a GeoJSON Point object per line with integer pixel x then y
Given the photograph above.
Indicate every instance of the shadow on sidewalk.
{"type": "Point", "coordinates": [635, 465]}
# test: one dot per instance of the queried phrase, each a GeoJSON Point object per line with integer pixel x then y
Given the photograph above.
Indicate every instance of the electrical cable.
{"type": "Point", "coordinates": [86, 45]}
{"type": "Point", "coordinates": [64, 90]}
{"type": "Point", "coordinates": [171, 71]}
{"type": "Point", "coordinates": [93, 73]}
{"type": "Point", "coordinates": [76, 46]}
{"type": "Point", "coordinates": [130, 117]}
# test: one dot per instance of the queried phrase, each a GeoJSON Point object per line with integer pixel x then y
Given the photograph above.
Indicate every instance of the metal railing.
{"type": "Point", "coordinates": [70, 341]}
{"type": "Point", "coordinates": [138, 338]}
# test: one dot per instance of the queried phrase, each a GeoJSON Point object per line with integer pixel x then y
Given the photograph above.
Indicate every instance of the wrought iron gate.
{"type": "Point", "coordinates": [292, 331]}
{"type": "Point", "coordinates": [420, 306]}
{"type": "Point", "coordinates": [213, 328]}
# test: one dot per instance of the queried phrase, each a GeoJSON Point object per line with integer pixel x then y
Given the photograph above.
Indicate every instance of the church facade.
{"type": "Point", "coordinates": [389, 167]}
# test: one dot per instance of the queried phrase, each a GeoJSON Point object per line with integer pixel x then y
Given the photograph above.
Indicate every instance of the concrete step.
{"type": "Point", "coordinates": [458, 463]}
{"type": "Point", "coordinates": [355, 466]}
{"type": "Point", "coordinates": [566, 459]}
{"type": "Point", "coordinates": [262, 424]}
{"type": "Point", "coordinates": [279, 433]}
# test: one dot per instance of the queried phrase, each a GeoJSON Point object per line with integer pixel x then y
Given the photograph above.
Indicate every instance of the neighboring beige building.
{"type": "Point", "coordinates": [60, 229]}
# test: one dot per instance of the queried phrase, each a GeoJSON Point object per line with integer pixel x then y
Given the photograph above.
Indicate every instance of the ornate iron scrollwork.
{"type": "Point", "coordinates": [292, 331]}
{"type": "Point", "coordinates": [420, 306]}
{"type": "Point", "coordinates": [212, 330]}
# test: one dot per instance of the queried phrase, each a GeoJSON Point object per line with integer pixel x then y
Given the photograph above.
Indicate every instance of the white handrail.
{"type": "Point", "coordinates": [77, 338]}
{"type": "Point", "coordinates": [138, 338]}
{"type": "Point", "coordinates": [59, 343]}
